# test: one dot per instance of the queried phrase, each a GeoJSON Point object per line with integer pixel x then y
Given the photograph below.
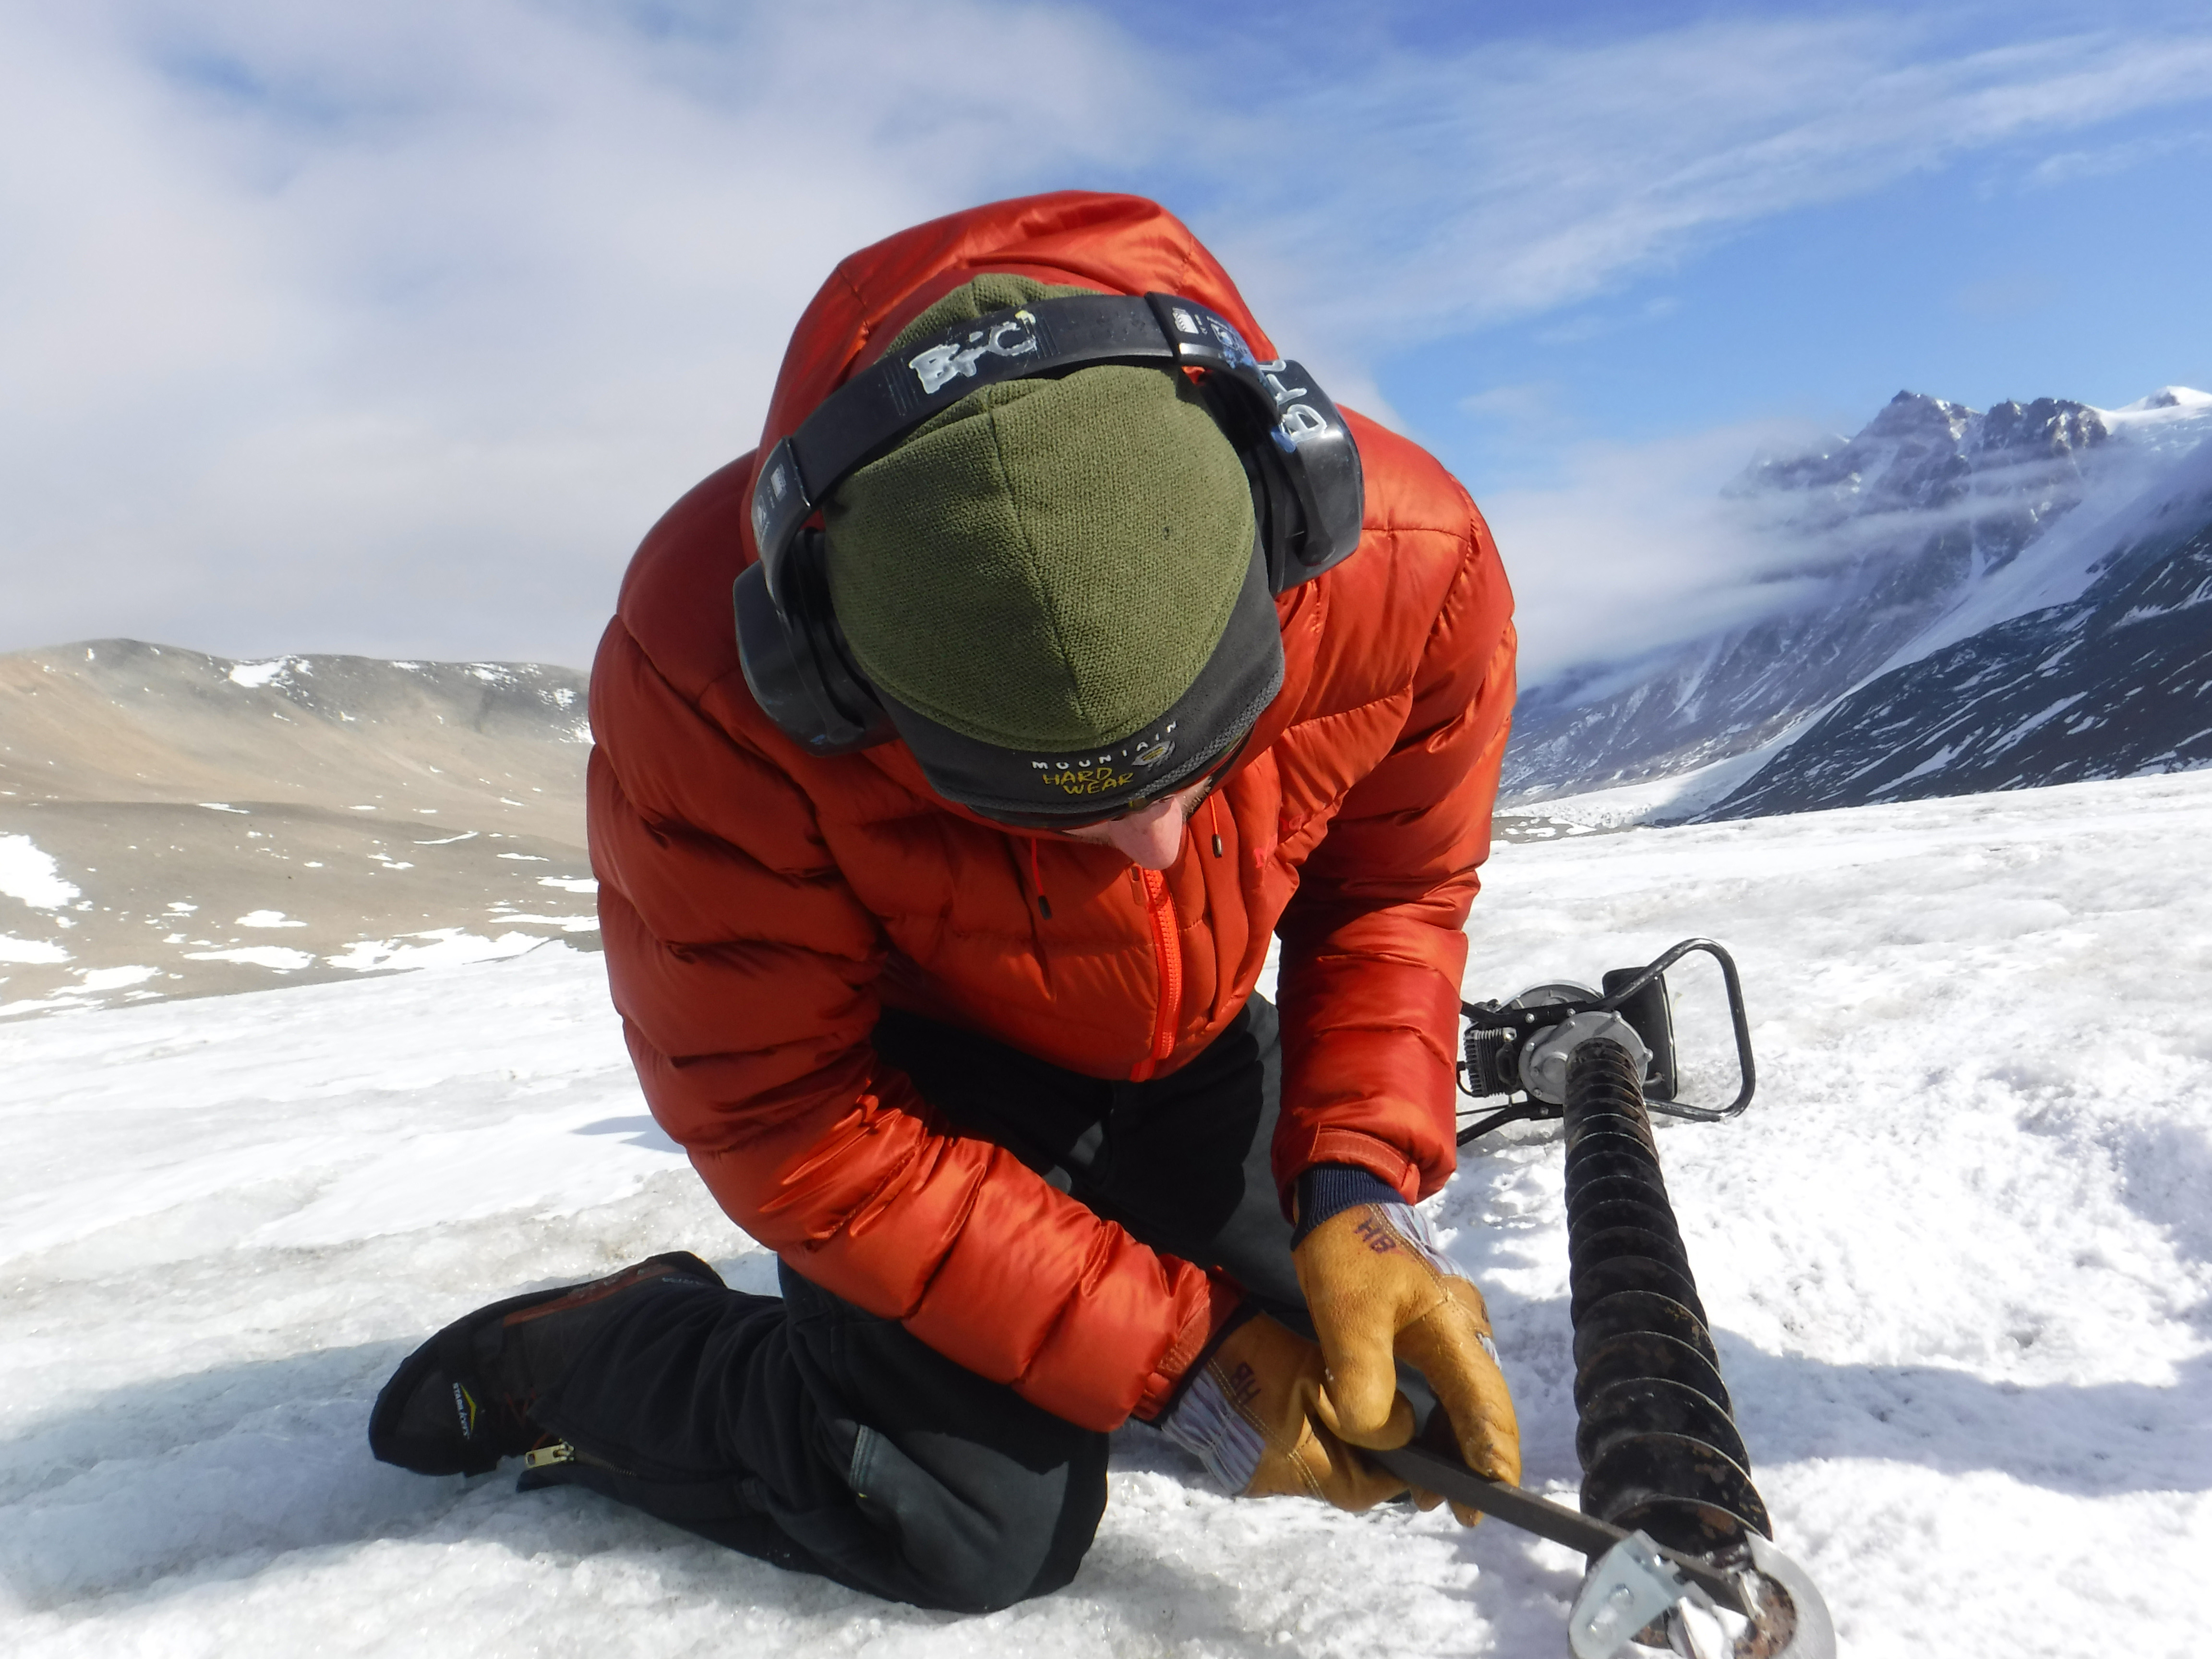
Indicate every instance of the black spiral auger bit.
{"type": "Point", "coordinates": [1679, 1540]}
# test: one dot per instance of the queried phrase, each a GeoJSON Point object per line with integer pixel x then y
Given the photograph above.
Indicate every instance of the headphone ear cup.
{"type": "Point", "coordinates": [862, 722]}
{"type": "Point", "coordinates": [768, 653]}
{"type": "Point", "coordinates": [1281, 522]}
{"type": "Point", "coordinates": [1275, 516]}
{"type": "Point", "coordinates": [796, 664]}
{"type": "Point", "coordinates": [1312, 460]}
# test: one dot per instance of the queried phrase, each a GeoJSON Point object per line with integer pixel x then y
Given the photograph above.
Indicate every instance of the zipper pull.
{"type": "Point", "coordinates": [1036, 883]}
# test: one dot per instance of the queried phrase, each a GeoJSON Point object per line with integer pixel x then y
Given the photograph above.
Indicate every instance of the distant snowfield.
{"type": "Point", "coordinates": [1677, 796]}
{"type": "Point", "coordinates": [1957, 1256]}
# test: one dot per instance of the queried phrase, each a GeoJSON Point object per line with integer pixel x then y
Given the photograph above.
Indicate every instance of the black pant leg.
{"type": "Point", "coordinates": [649, 1407]}
{"type": "Point", "coordinates": [1182, 1160]}
{"type": "Point", "coordinates": [1050, 1118]}
{"type": "Point", "coordinates": [990, 1499]}
{"type": "Point", "coordinates": [812, 1434]}
{"type": "Point", "coordinates": [1185, 1162]}
{"type": "Point", "coordinates": [820, 1438]}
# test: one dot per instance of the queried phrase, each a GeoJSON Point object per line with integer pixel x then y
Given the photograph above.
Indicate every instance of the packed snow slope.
{"type": "Point", "coordinates": [1956, 1255]}
{"type": "Point", "coordinates": [173, 823]}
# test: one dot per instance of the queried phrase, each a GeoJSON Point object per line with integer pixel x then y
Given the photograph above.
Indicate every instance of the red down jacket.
{"type": "Point", "coordinates": [759, 905]}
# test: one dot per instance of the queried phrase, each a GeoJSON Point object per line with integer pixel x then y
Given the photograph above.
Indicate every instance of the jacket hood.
{"type": "Point", "coordinates": [1116, 244]}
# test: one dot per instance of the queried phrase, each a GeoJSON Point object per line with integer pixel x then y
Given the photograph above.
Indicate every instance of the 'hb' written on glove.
{"type": "Point", "coordinates": [1381, 1291]}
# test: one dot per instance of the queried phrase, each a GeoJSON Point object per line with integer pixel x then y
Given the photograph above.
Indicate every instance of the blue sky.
{"type": "Point", "coordinates": [391, 329]}
{"type": "Point", "coordinates": [2024, 274]}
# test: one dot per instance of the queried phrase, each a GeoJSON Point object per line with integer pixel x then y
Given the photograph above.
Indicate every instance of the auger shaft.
{"type": "Point", "coordinates": [1657, 1438]}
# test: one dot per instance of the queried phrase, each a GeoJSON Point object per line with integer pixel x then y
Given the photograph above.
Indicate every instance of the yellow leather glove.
{"type": "Point", "coordinates": [1256, 1418]}
{"type": "Point", "coordinates": [1380, 1291]}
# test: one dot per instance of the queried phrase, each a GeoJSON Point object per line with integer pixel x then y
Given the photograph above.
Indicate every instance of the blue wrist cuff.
{"type": "Point", "coordinates": [1327, 1188]}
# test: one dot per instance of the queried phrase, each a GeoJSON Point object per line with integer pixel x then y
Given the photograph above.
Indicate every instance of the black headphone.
{"type": "Point", "coordinates": [1308, 493]}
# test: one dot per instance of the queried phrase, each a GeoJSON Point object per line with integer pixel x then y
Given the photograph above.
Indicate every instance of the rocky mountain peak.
{"type": "Point", "coordinates": [1911, 416]}
{"type": "Point", "coordinates": [1909, 455]}
{"type": "Point", "coordinates": [1919, 452]}
{"type": "Point", "coordinates": [2047, 429]}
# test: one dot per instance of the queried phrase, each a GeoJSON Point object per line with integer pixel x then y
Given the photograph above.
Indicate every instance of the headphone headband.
{"type": "Point", "coordinates": [1308, 493]}
{"type": "Point", "coordinates": [867, 415]}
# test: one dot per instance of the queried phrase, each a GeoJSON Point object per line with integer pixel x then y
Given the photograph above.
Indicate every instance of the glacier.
{"type": "Point", "coordinates": [1957, 1256]}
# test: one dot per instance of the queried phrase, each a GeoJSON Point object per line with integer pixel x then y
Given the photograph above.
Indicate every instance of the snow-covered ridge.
{"type": "Point", "coordinates": [2158, 478]}
{"type": "Point", "coordinates": [1932, 524]}
{"type": "Point", "coordinates": [2114, 684]}
{"type": "Point", "coordinates": [354, 688]}
{"type": "Point", "coordinates": [2162, 403]}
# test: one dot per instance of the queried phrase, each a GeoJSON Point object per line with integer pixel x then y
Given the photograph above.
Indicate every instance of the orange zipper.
{"type": "Point", "coordinates": [1159, 908]}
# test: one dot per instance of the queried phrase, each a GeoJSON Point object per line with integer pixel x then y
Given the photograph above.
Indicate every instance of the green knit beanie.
{"type": "Point", "coordinates": [1047, 564]}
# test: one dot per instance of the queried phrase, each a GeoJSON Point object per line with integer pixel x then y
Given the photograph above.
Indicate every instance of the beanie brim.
{"type": "Point", "coordinates": [1044, 789]}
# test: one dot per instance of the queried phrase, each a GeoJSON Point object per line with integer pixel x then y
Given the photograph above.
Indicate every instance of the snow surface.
{"type": "Point", "coordinates": [448, 947]}
{"type": "Point", "coordinates": [1957, 1256]}
{"type": "Point", "coordinates": [277, 958]}
{"type": "Point", "coordinates": [255, 675]}
{"type": "Point", "coordinates": [30, 875]}
{"type": "Point", "coordinates": [37, 951]}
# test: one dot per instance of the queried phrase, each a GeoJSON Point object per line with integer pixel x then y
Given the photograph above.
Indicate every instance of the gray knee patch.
{"type": "Point", "coordinates": [980, 1550]}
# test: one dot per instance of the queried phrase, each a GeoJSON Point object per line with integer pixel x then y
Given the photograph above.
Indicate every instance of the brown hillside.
{"type": "Point", "coordinates": [231, 826]}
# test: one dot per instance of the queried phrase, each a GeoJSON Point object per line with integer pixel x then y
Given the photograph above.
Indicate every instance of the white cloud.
{"type": "Point", "coordinates": [390, 329]}
{"type": "Point", "coordinates": [1634, 548]}
{"type": "Point", "coordinates": [2105, 160]}
{"type": "Point", "coordinates": [394, 327]}
{"type": "Point", "coordinates": [1507, 180]}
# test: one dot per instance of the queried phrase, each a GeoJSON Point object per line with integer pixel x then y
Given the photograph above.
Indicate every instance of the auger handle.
{"type": "Point", "coordinates": [1517, 1506]}
{"type": "Point", "coordinates": [1739, 1021]}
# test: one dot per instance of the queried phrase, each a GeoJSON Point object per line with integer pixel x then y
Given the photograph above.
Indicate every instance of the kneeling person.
{"type": "Point", "coordinates": [934, 912]}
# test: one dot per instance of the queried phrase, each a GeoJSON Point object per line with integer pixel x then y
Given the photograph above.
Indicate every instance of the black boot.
{"type": "Point", "coordinates": [462, 1401]}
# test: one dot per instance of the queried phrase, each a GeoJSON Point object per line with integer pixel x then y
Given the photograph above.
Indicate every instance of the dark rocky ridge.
{"type": "Point", "coordinates": [2118, 683]}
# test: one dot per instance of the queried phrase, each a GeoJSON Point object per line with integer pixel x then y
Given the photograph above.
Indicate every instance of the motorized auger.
{"type": "Point", "coordinates": [1677, 1534]}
